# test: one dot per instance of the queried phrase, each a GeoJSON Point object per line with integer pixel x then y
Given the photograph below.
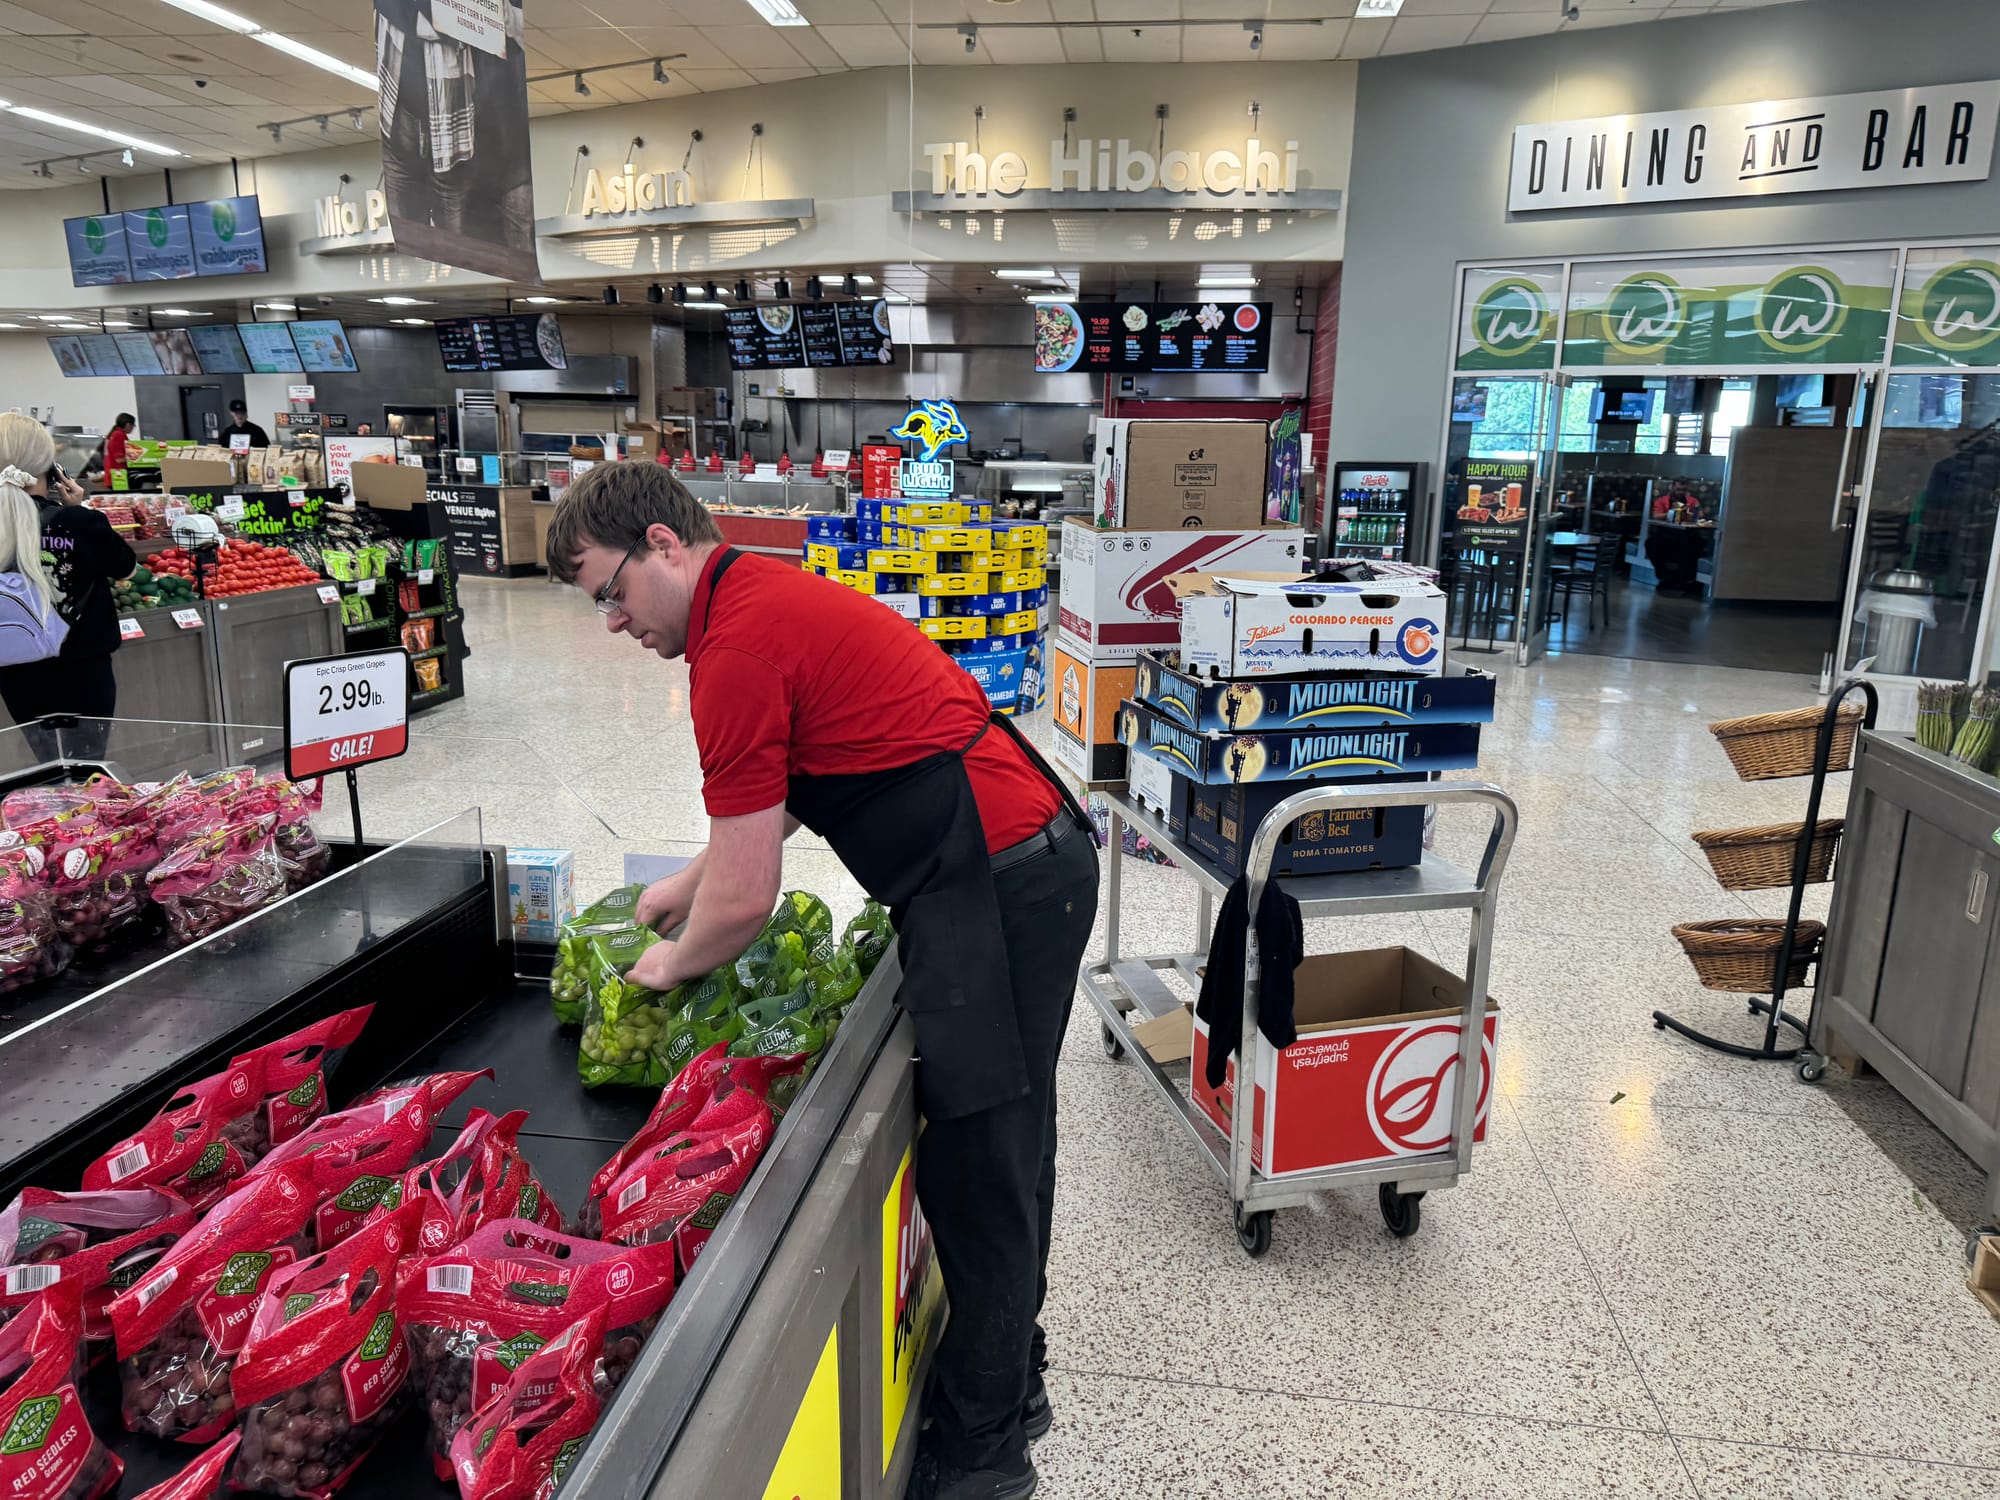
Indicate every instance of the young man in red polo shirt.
{"type": "Point", "coordinates": [816, 706]}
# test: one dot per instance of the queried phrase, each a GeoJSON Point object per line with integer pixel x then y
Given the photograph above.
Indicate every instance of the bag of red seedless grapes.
{"type": "Point", "coordinates": [47, 1450]}
{"type": "Point", "coordinates": [324, 1369]}
{"type": "Point", "coordinates": [180, 1328]}
{"type": "Point", "coordinates": [101, 1241]}
{"type": "Point", "coordinates": [204, 1479]}
{"type": "Point", "coordinates": [679, 1191]}
{"type": "Point", "coordinates": [185, 1148]}
{"type": "Point", "coordinates": [357, 1158]}
{"type": "Point", "coordinates": [291, 1080]}
{"type": "Point", "coordinates": [521, 1443]}
{"type": "Point", "coordinates": [482, 1177]}
{"type": "Point", "coordinates": [474, 1313]}
{"type": "Point", "coordinates": [679, 1102]}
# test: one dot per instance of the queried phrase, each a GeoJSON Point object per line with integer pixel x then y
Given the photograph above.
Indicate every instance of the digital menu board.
{"type": "Point", "coordinates": [141, 358]}
{"type": "Point", "coordinates": [97, 250]}
{"type": "Point", "coordinates": [70, 358]}
{"type": "Point", "coordinates": [323, 347]}
{"type": "Point", "coordinates": [1145, 336]}
{"type": "Point", "coordinates": [160, 243]}
{"type": "Point", "coordinates": [864, 333]}
{"type": "Point", "coordinates": [519, 341]}
{"type": "Point", "coordinates": [220, 350]}
{"type": "Point", "coordinates": [818, 335]}
{"type": "Point", "coordinates": [228, 236]}
{"type": "Point", "coordinates": [101, 349]}
{"type": "Point", "coordinates": [176, 351]}
{"type": "Point", "coordinates": [270, 348]}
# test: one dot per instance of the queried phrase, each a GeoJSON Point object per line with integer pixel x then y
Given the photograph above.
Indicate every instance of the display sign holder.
{"type": "Point", "coordinates": [343, 712]}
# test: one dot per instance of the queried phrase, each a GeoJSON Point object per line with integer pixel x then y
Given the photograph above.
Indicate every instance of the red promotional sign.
{"type": "Point", "coordinates": [345, 711]}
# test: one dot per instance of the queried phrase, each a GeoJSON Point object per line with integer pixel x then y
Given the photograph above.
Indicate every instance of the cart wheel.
{"type": "Point", "coordinates": [1402, 1212]}
{"type": "Point", "coordinates": [1253, 1233]}
{"type": "Point", "coordinates": [1811, 1067]}
{"type": "Point", "coordinates": [1113, 1048]}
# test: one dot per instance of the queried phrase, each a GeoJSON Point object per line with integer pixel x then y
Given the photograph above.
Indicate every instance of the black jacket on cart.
{"type": "Point", "coordinates": [1281, 944]}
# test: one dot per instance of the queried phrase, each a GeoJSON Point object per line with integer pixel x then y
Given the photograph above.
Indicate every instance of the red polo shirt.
{"type": "Point", "coordinates": [791, 674]}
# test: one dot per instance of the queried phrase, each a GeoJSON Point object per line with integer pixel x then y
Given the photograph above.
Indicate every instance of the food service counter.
{"type": "Point", "coordinates": [793, 1352]}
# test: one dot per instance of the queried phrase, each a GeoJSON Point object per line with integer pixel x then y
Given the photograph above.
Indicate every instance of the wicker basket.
{"type": "Point", "coordinates": [1766, 747]}
{"type": "Point", "coordinates": [1741, 953]}
{"type": "Point", "coordinates": [1760, 859]}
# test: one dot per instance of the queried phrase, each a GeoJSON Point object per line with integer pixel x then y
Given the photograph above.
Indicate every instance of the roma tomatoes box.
{"type": "Point", "coordinates": [1374, 1073]}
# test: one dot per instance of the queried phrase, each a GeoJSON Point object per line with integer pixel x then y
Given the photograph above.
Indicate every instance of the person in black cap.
{"type": "Point", "coordinates": [239, 421]}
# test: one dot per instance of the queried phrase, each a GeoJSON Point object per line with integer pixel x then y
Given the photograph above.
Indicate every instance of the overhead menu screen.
{"type": "Point", "coordinates": [160, 243]}
{"type": "Point", "coordinates": [97, 250]}
{"type": "Point", "coordinates": [141, 357]}
{"type": "Point", "coordinates": [819, 335]}
{"type": "Point", "coordinates": [323, 347]}
{"type": "Point", "coordinates": [101, 349]}
{"type": "Point", "coordinates": [176, 351]}
{"type": "Point", "coordinates": [1137, 337]}
{"type": "Point", "coordinates": [221, 350]}
{"type": "Point", "coordinates": [70, 358]}
{"type": "Point", "coordinates": [520, 341]}
{"type": "Point", "coordinates": [228, 237]}
{"type": "Point", "coordinates": [270, 348]}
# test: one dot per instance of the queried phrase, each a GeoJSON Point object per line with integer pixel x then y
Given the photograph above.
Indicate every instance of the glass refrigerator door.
{"type": "Point", "coordinates": [1372, 511]}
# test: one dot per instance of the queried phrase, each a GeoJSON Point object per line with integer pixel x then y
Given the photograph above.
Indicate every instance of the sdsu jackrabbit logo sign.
{"type": "Point", "coordinates": [1413, 1088]}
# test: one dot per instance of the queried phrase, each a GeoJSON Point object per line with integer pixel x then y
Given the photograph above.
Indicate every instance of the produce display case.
{"type": "Point", "coordinates": [253, 636]}
{"type": "Point", "coordinates": [436, 594]}
{"type": "Point", "coordinates": [798, 1342]}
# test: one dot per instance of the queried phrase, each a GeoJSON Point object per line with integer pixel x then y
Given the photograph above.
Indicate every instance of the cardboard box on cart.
{"type": "Point", "coordinates": [1234, 626]}
{"type": "Point", "coordinates": [1373, 1075]}
{"type": "Point", "coordinates": [1116, 599]}
{"type": "Point", "coordinates": [1178, 475]}
{"type": "Point", "coordinates": [1084, 723]}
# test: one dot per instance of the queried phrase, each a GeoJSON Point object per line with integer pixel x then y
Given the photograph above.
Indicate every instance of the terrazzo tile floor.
{"type": "Point", "coordinates": [1671, 1273]}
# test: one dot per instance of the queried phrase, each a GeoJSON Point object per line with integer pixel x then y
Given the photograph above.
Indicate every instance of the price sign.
{"type": "Point", "coordinates": [468, 466]}
{"type": "Point", "coordinates": [128, 630]}
{"type": "Point", "coordinates": [425, 575]}
{"type": "Point", "coordinates": [230, 510]}
{"type": "Point", "coordinates": [239, 442]}
{"type": "Point", "coordinates": [188, 619]}
{"type": "Point", "coordinates": [365, 587]}
{"type": "Point", "coordinates": [329, 594]}
{"type": "Point", "coordinates": [299, 393]}
{"type": "Point", "coordinates": [837, 458]}
{"type": "Point", "coordinates": [345, 711]}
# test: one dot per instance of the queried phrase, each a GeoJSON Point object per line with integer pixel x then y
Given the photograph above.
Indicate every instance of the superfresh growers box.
{"type": "Point", "coordinates": [541, 892]}
{"type": "Point", "coordinates": [1234, 626]}
{"type": "Point", "coordinates": [1324, 753]}
{"type": "Point", "coordinates": [1116, 601]}
{"type": "Point", "coordinates": [1374, 1074]}
{"type": "Point", "coordinates": [1461, 695]}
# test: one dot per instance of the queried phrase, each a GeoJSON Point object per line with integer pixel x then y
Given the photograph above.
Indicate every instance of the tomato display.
{"type": "Point", "coordinates": [240, 568]}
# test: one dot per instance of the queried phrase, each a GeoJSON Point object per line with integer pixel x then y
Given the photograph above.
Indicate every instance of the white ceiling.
{"type": "Point", "coordinates": [132, 65]}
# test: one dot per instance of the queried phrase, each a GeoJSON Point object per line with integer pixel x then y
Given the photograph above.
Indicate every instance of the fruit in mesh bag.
{"type": "Point", "coordinates": [481, 1178]}
{"type": "Point", "coordinates": [679, 1191]}
{"type": "Point", "coordinates": [180, 1326]}
{"type": "Point", "coordinates": [31, 949]}
{"type": "Point", "coordinates": [101, 1241]}
{"type": "Point", "coordinates": [324, 1369]}
{"type": "Point", "coordinates": [47, 1448]}
{"type": "Point", "coordinates": [475, 1313]}
{"type": "Point", "coordinates": [523, 1441]}
{"type": "Point", "coordinates": [98, 884]}
{"type": "Point", "coordinates": [679, 1102]}
{"type": "Point", "coordinates": [203, 1479]}
{"type": "Point", "coordinates": [184, 1148]}
{"type": "Point", "coordinates": [291, 1081]}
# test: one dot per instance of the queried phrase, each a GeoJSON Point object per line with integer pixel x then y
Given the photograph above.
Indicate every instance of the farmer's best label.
{"type": "Point", "coordinates": [44, 1444]}
{"type": "Point", "coordinates": [375, 1371]}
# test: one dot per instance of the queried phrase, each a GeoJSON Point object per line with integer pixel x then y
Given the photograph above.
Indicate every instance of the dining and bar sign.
{"type": "Point", "coordinates": [1828, 143]}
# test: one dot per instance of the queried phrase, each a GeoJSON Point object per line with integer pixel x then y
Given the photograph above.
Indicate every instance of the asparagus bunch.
{"type": "Point", "coordinates": [1974, 745]}
{"type": "Point", "coordinates": [1936, 720]}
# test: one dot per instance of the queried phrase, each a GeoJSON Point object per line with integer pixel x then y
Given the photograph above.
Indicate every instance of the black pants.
{"type": "Point", "coordinates": [987, 1182]}
{"type": "Point", "coordinates": [80, 685]}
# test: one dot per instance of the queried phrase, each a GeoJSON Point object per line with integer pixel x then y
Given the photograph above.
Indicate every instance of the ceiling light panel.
{"type": "Point", "coordinates": [83, 127]}
{"type": "Point", "coordinates": [216, 14]}
{"type": "Point", "coordinates": [779, 12]}
{"type": "Point", "coordinates": [324, 61]}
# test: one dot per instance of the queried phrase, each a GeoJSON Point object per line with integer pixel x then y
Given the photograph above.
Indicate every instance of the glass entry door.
{"type": "Point", "coordinates": [1497, 456]}
{"type": "Point", "coordinates": [1542, 522]}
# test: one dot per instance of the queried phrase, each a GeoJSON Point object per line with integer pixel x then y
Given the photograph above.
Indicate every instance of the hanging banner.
{"type": "Point", "coordinates": [1949, 313]}
{"type": "Point", "coordinates": [1507, 318]}
{"type": "Point", "coordinates": [455, 157]}
{"type": "Point", "coordinates": [1727, 312]}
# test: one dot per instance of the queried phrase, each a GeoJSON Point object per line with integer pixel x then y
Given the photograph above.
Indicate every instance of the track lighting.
{"type": "Point", "coordinates": [680, 294]}
{"type": "Point", "coordinates": [660, 72]}
{"type": "Point", "coordinates": [1257, 40]}
{"type": "Point", "coordinates": [611, 296]}
{"type": "Point", "coordinates": [354, 119]}
{"type": "Point", "coordinates": [742, 290]}
{"type": "Point", "coordinates": [813, 287]}
{"type": "Point", "coordinates": [323, 123]}
{"type": "Point", "coordinates": [656, 293]}
{"type": "Point", "coordinates": [850, 285]}
{"type": "Point", "coordinates": [277, 133]}
{"type": "Point", "coordinates": [582, 88]}
{"type": "Point", "coordinates": [711, 293]}
{"type": "Point", "coordinates": [971, 35]}
{"type": "Point", "coordinates": [781, 289]}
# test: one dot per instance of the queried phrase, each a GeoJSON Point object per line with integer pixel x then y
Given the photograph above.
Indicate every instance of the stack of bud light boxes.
{"type": "Point", "coordinates": [976, 586]}
{"type": "Point", "coordinates": [1282, 683]}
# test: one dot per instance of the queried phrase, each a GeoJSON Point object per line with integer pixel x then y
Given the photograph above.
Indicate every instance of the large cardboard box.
{"type": "Point", "coordinates": [389, 486]}
{"type": "Point", "coordinates": [1222, 820]}
{"type": "Point", "coordinates": [1373, 1075]}
{"type": "Point", "coordinates": [1116, 600]}
{"type": "Point", "coordinates": [1236, 627]}
{"type": "Point", "coordinates": [195, 474]}
{"type": "Point", "coordinates": [1315, 753]}
{"type": "Point", "coordinates": [1085, 720]}
{"type": "Point", "coordinates": [1206, 475]}
{"type": "Point", "coordinates": [1354, 700]}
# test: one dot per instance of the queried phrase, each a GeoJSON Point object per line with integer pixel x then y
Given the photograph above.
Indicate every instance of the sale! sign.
{"type": "Point", "coordinates": [345, 711]}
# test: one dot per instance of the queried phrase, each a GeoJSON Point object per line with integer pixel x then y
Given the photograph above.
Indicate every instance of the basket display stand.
{"type": "Point", "coordinates": [1832, 741]}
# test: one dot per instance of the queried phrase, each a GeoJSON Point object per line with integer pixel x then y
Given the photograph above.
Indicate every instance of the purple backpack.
{"type": "Point", "coordinates": [25, 635]}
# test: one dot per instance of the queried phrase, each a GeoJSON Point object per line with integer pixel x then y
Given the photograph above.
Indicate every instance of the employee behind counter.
{"type": "Point", "coordinates": [946, 816]}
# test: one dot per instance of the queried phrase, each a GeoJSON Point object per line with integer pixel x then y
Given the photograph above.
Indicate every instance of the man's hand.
{"type": "Point", "coordinates": [665, 904]}
{"type": "Point", "coordinates": [657, 968]}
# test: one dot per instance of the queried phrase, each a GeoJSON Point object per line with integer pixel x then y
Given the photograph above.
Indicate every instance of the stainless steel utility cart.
{"type": "Point", "coordinates": [1124, 988]}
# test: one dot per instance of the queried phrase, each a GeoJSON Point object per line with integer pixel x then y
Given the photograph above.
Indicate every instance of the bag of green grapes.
{"type": "Point", "coordinates": [803, 913]}
{"type": "Point", "coordinates": [869, 935]}
{"type": "Point", "coordinates": [569, 981]}
{"type": "Point", "coordinates": [700, 1014]}
{"type": "Point", "coordinates": [622, 1022]}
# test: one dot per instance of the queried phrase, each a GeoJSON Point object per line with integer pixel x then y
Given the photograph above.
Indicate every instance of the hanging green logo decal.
{"type": "Point", "coordinates": [1510, 317]}
{"type": "Point", "coordinates": [222, 218]}
{"type": "Point", "coordinates": [93, 235]}
{"type": "Point", "coordinates": [156, 228]}
{"type": "Point", "coordinates": [1643, 314]}
{"type": "Point", "coordinates": [1801, 310]}
{"type": "Point", "coordinates": [1958, 309]}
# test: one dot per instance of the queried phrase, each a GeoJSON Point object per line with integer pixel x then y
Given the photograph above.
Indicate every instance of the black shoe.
{"type": "Point", "coordinates": [1037, 1416]}
{"type": "Point", "coordinates": [933, 1480]}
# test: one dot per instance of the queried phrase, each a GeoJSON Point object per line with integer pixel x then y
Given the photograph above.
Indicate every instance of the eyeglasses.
{"type": "Point", "coordinates": [602, 598]}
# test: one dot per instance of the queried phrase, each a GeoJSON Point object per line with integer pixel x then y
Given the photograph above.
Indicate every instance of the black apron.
{"type": "Point", "coordinates": [911, 835]}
